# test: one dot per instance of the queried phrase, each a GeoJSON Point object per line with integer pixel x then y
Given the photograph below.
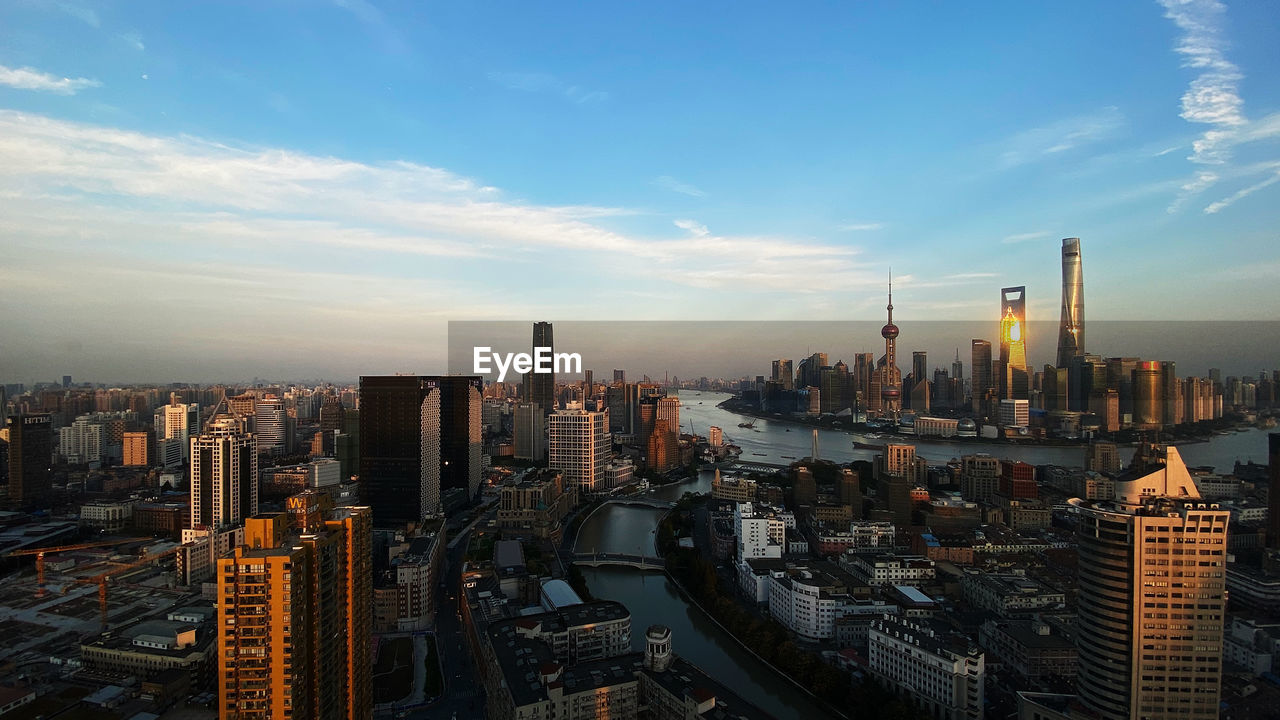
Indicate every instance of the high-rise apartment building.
{"type": "Point", "coordinates": [295, 613]}
{"type": "Point", "coordinates": [1015, 376]}
{"type": "Point", "coordinates": [579, 447]}
{"type": "Point", "coordinates": [669, 409]}
{"type": "Point", "coordinates": [139, 449]}
{"type": "Point", "coordinates": [177, 422]}
{"type": "Point", "coordinates": [224, 474]}
{"type": "Point", "coordinates": [30, 458]}
{"type": "Point", "coordinates": [1152, 594]}
{"type": "Point", "coordinates": [1071, 326]}
{"type": "Point", "coordinates": [270, 425]}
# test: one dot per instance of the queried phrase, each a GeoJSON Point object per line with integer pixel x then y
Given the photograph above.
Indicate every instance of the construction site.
{"type": "Point", "coordinates": [97, 628]}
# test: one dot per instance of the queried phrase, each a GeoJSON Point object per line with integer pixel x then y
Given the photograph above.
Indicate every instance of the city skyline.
{"type": "Point", "coordinates": [172, 166]}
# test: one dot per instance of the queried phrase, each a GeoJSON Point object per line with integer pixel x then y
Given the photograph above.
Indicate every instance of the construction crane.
{"type": "Point", "coordinates": [41, 552]}
{"type": "Point", "coordinates": [102, 579]}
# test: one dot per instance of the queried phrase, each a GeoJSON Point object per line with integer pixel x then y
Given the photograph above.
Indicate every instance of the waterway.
{"type": "Point", "coordinates": [653, 599]}
{"type": "Point", "coordinates": [780, 442]}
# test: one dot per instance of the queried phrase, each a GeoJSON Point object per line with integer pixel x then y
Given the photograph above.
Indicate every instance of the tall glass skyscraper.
{"type": "Point", "coordinates": [1071, 327]}
{"type": "Point", "coordinates": [1015, 376]}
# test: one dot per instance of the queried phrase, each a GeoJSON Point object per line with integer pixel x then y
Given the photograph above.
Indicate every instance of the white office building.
{"type": "Point", "coordinates": [807, 602]}
{"type": "Point", "coordinates": [759, 535]}
{"type": "Point", "coordinates": [578, 445]}
{"type": "Point", "coordinates": [941, 673]}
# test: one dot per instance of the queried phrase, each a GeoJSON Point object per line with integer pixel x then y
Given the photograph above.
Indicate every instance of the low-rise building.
{"type": "Point", "coordinates": [939, 671]}
{"type": "Point", "coordinates": [889, 569]}
{"type": "Point", "coordinates": [149, 647]}
{"type": "Point", "coordinates": [1008, 594]}
{"type": "Point", "coordinates": [1030, 647]}
{"type": "Point", "coordinates": [108, 515]}
{"type": "Point", "coordinates": [807, 602]}
{"type": "Point", "coordinates": [732, 488]}
{"type": "Point", "coordinates": [536, 504]}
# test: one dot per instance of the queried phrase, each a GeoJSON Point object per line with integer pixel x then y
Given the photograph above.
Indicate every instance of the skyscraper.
{"type": "Point", "coordinates": [461, 448]}
{"type": "Point", "coordinates": [296, 602]}
{"type": "Point", "coordinates": [1152, 594]}
{"type": "Point", "coordinates": [30, 457]}
{"type": "Point", "coordinates": [542, 386]}
{"type": "Point", "coordinates": [418, 437]}
{"type": "Point", "coordinates": [224, 474]}
{"type": "Point", "coordinates": [783, 374]}
{"type": "Point", "coordinates": [980, 367]}
{"type": "Point", "coordinates": [579, 447]}
{"type": "Point", "coordinates": [1014, 373]}
{"type": "Point", "coordinates": [395, 452]}
{"type": "Point", "coordinates": [529, 428]}
{"type": "Point", "coordinates": [1148, 412]}
{"type": "Point", "coordinates": [888, 375]}
{"type": "Point", "coordinates": [269, 425]}
{"type": "Point", "coordinates": [175, 425]}
{"type": "Point", "coordinates": [1071, 326]}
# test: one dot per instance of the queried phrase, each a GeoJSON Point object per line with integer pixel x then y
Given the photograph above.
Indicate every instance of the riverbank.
{"type": "Point", "coordinates": [688, 597]}
{"type": "Point", "coordinates": [733, 405]}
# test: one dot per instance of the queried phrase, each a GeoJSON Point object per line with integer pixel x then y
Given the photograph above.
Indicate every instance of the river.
{"type": "Point", "coordinates": [653, 599]}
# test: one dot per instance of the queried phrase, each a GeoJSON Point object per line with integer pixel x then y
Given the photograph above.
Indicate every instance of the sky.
{"type": "Point", "coordinates": [279, 188]}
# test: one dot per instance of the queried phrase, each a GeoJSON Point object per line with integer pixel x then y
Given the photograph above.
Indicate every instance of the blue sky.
{"type": "Point", "coordinates": [305, 185]}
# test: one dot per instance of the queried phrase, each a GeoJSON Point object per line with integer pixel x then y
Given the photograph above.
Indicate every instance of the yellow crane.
{"type": "Point", "coordinates": [41, 552]}
{"type": "Point", "coordinates": [103, 578]}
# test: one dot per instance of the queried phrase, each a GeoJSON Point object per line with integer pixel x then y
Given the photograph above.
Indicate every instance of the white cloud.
{"type": "Point", "coordinates": [133, 40]}
{"type": "Point", "coordinates": [1060, 136]}
{"type": "Point", "coordinates": [667, 182]}
{"type": "Point", "coordinates": [1023, 237]}
{"type": "Point", "coordinates": [1213, 98]}
{"type": "Point", "coordinates": [132, 189]}
{"type": "Point", "coordinates": [27, 78]}
{"type": "Point", "coordinates": [1226, 202]}
{"type": "Point", "coordinates": [694, 227]}
{"type": "Point", "coordinates": [862, 227]}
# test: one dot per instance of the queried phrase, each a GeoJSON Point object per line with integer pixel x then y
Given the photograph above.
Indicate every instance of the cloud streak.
{"type": "Point", "coordinates": [1213, 98]}
{"type": "Point", "coordinates": [28, 78]}
{"type": "Point", "coordinates": [1058, 137]}
{"type": "Point", "coordinates": [1223, 204]}
{"type": "Point", "coordinates": [862, 227]}
{"type": "Point", "coordinates": [666, 182]}
{"type": "Point", "coordinates": [544, 83]}
{"type": "Point", "coordinates": [1024, 237]}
